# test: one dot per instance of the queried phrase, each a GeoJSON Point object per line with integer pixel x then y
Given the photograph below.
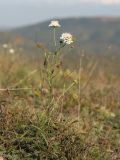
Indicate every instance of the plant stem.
{"type": "Point", "coordinates": [79, 91]}
{"type": "Point", "coordinates": [54, 32]}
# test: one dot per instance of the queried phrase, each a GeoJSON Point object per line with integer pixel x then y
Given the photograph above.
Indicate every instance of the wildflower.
{"type": "Point", "coordinates": [54, 24]}
{"type": "Point", "coordinates": [66, 38]}
{"type": "Point", "coordinates": [5, 46]}
{"type": "Point", "coordinates": [11, 51]}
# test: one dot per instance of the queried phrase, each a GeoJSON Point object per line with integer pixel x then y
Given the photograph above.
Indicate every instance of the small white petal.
{"type": "Point", "coordinates": [67, 38]}
{"type": "Point", "coordinates": [5, 46]}
{"type": "Point", "coordinates": [11, 51]}
{"type": "Point", "coordinates": [54, 24]}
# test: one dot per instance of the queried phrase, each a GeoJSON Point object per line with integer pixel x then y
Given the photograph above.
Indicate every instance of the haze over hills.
{"type": "Point", "coordinates": [92, 34]}
{"type": "Point", "coordinates": [23, 12]}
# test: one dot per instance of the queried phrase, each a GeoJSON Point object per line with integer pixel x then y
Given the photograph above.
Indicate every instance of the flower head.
{"type": "Point", "coordinates": [5, 46]}
{"type": "Point", "coordinates": [11, 51]}
{"type": "Point", "coordinates": [54, 24]}
{"type": "Point", "coordinates": [66, 38]}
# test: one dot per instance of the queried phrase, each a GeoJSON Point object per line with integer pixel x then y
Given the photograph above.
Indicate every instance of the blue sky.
{"type": "Point", "coordinates": [22, 12]}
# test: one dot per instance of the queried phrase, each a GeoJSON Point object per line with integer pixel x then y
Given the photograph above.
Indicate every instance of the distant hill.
{"type": "Point", "coordinates": [94, 35]}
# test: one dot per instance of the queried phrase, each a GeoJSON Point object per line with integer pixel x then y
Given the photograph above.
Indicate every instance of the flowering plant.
{"type": "Point", "coordinates": [52, 63]}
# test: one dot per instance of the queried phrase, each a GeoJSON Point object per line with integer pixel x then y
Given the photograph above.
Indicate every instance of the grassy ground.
{"type": "Point", "coordinates": [82, 122]}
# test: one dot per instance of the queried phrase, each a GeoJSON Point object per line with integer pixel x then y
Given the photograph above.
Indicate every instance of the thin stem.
{"type": "Point", "coordinates": [62, 102]}
{"type": "Point", "coordinates": [54, 31]}
{"type": "Point", "coordinates": [16, 89]}
{"type": "Point", "coordinates": [62, 95]}
{"type": "Point", "coordinates": [79, 91]}
{"type": "Point", "coordinates": [22, 80]}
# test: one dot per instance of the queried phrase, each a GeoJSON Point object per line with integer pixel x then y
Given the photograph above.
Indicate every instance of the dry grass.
{"type": "Point", "coordinates": [31, 131]}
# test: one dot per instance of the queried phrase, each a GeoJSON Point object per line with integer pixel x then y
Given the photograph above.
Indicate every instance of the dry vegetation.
{"type": "Point", "coordinates": [74, 116]}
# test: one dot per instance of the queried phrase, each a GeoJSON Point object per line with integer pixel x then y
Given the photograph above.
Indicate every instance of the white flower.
{"type": "Point", "coordinates": [54, 24]}
{"type": "Point", "coordinates": [5, 46]}
{"type": "Point", "coordinates": [11, 51]}
{"type": "Point", "coordinates": [66, 38]}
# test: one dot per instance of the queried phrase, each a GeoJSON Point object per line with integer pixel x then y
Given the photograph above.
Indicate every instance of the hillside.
{"type": "Point", "coordinates": [93, 34]}
{"type": "Point", "coordinates": [53, 110]}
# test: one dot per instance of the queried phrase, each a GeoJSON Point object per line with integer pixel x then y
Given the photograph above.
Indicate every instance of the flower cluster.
{"type": "Point", "coordinates": [54, 24]}
{"type": "Point", "coordinates": [66, 38]}
{"type": "Point", "coordinates": [5, 46]}
{"type": "Point", "coordinates": [11, 51]}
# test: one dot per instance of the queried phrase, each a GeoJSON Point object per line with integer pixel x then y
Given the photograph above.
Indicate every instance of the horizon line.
{"type": "Point", "coordinates": [58, 18]}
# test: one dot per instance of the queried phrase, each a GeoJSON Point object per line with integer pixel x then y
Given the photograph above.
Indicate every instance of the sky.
{"type": "Point", "coordinates": [23, 12]}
